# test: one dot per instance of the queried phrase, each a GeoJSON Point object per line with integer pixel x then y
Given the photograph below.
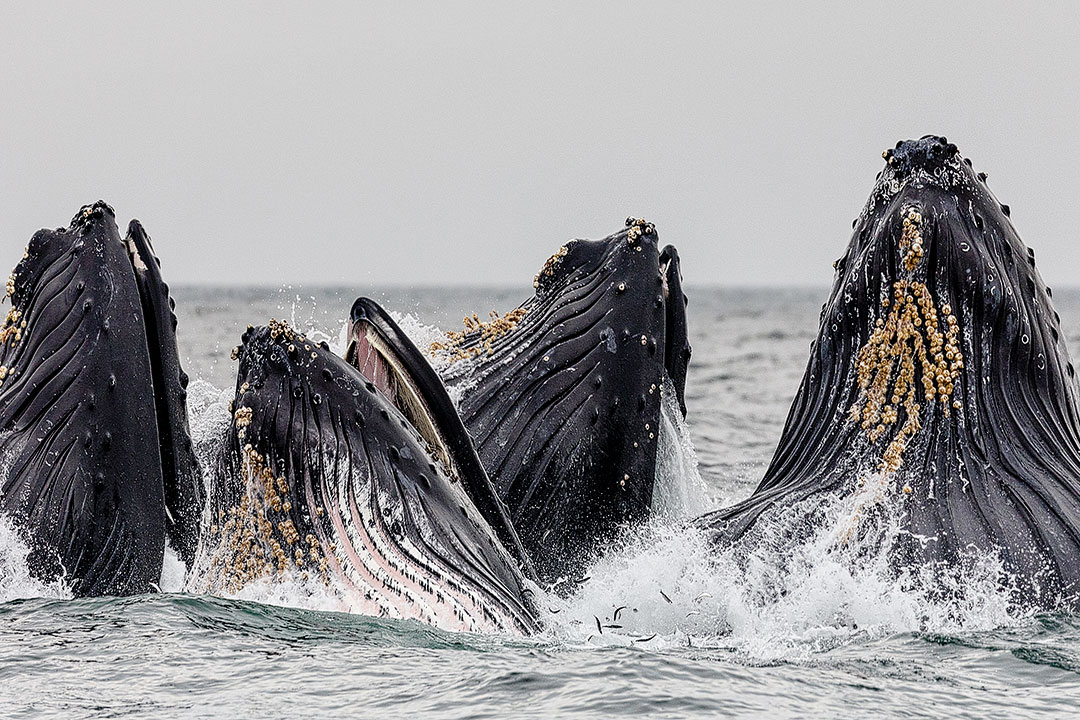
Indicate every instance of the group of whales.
{"type": "Point", "coordinates": [939, 397]}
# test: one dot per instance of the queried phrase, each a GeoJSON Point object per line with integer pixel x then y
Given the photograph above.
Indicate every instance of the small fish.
{"type": "Point", "coordinates": [646, 639]}
{"type": "Point", "coordinates": [693, 612]}
{"type": "Point", "coordinates": [664, 595]}
{"type": "Point", "coordinates": [598, 626]}
{"type": "Point", "coordinates": [615, 616]}
{"type": "Point", "coordinates": [613, 627]}
{"type": "Point", "coordinates": [702, 596]}
{"type": "Point", "coordinates": [554, 611]}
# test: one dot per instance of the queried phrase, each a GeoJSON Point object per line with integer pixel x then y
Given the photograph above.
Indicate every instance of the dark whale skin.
{"type": "Point", "coordinates": [181, 474]}
{"type": "Point", "coordinates": [563, 395]}
{"type": "Point", "coordinates": [992, 465]}
{"type": "Point", "coordinates": [324, 477]}
{"type": "Point", "coordinates": [81, 475]}
{"type": "Point", "coordinates": [366, 313]}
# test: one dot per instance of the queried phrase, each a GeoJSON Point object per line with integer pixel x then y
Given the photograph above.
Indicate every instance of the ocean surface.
{"type": "Point", "coordinates": [785, 634]}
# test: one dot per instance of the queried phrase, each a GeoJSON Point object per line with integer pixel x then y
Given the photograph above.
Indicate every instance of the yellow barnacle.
{"type": "Point", "coordinates": [906, 341]}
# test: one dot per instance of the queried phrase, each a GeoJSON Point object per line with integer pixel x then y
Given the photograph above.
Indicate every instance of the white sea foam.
{"type": "Point", "coordinates": [773, 595]}
{"type": "Point", "coordinates": [15, 579]}
{"type": "Point", "coordinates": [304, 316]}
{"type": "Point", "coordinates": [422, 334]}
{"type": "Point", "coordinates": [172, 571]}
{"type": "Point", "coordinates": [292, 591]}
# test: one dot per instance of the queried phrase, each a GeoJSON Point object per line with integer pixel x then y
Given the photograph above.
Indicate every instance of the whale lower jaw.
{"type": "Point", "coordinates": [352, 553]}
{"type": "Point", "coordinates": [406, 578]}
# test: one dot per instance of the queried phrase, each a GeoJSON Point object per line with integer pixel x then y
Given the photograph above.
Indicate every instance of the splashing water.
{"type": "Point", "coordinates": [790, 588]}
{"type": "Point", "coordinates": [16, 582]}
{"type": "Point", "coordinates": [679, 489]}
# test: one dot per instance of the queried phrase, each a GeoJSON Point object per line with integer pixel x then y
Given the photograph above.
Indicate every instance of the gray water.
{"type": "Point", "coordinates": [826, 637]}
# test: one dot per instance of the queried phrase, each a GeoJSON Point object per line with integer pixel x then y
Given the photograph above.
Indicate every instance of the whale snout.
{"type": "Point", "coordinates": [928, 153]}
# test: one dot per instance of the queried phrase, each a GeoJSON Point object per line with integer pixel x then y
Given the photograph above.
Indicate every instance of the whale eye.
{"type": "Point", "coordinates": [978, 221]}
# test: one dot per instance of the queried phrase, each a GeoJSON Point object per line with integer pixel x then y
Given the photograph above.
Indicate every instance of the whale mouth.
{"type": "Point", "coordinates": [89, 363]}
{"type": "Point", "coordinates": [385, 356]}
{"type": "Point", "coordinates": [676, 338]}
{"type": "Point", "coordinates": [939, 394]}
{"type": "Point", "coordinates": [328, 477]}
{"type": "Point", "coordinates": [564, 394]}
{"type": "Point", "coordinates": [667, 259]}
{"type": "Point", "coordinates": [373, 355]}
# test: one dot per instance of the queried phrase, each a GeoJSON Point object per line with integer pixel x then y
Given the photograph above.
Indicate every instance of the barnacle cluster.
{"type": "Point", "coordinates": [14, 322]}
{"type": "Point", "coordinates": [495, 328]}
{"type": "Point", "coordinates": [911, 239]}
{"type": "Point", "coordinates": [257, 537]}
{"type": "Point", "coordinates": [548, 270]}
{"type": "Point", "coordinates": [281, 330]}
{"type": "Point", "coordinates": [243, 419]}
{"type": "Point", "coordinates": [638, 227]}
{"type": "Point", "coordinates": [914, 343]}
{"type": "Point", "coordinates": [13, 327]}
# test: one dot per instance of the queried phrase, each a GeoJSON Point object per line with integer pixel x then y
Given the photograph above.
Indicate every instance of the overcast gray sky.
{"type": "Point", "coordinates": [459, 143]}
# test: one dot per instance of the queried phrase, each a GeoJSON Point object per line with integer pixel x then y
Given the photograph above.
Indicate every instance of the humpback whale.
{"type": "Point", "coordinates": [96, 462]}
{"type": "Point", "coordinates": [939, 393]}
{"type": "Point", "coordinates": [357, 479]}
{"type": "Point", "coordinates": [562, 395]}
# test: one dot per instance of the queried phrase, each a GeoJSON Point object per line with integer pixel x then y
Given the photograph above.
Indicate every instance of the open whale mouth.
{"type": "Point", "coordinates": [325, 477]}
{"type": "Point", "coordinates": [388, 359]}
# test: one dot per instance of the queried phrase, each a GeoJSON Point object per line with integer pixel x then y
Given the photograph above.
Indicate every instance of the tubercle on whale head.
{"type": "Point", "coordinates": [620, 256]}
{"type": "Point", "coordinates": [572, 260]}
{"type": "Point", "coordinates": [21, 281]}
{"type": "Point", "coordinates": [928, 153]}
{"type": "Point", "coordinates": [583, 255]}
